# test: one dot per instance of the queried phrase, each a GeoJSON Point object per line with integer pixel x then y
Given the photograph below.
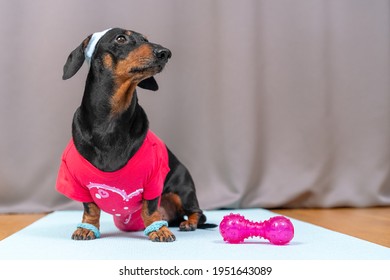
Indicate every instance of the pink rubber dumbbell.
{"type": "Point", "coordinates": [234, 228]}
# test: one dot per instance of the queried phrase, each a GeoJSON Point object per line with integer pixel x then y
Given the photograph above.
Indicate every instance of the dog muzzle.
{"type": "Point", "coordinates": [88, 52]}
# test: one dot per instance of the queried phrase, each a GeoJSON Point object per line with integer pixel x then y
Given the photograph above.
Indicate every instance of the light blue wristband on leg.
{"type": "Point", "coordinates": [155, 226]}
{"type": "Point", "coordinates": [90, 227]}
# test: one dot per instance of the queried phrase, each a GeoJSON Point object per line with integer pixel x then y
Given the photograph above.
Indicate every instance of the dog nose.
{"type": "Point", "coordinates": [162, 53]}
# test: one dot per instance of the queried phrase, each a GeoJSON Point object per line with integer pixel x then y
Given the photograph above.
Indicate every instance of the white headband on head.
{"type": "Point", "coordinates": [88, 52]}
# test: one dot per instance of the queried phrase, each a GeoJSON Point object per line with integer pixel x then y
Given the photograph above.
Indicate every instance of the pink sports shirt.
{"type": "Point", "coordinates": [121, 192]}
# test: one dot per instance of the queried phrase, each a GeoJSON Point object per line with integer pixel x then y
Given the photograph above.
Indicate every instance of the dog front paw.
{"type": "Point", "coordinates": [83, 234]}
{"type": "Point", "coordinates": [162, 235]}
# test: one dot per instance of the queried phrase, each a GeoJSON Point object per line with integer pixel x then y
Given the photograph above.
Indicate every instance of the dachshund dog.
{"type": "Point", "coordinates": [114, 162]}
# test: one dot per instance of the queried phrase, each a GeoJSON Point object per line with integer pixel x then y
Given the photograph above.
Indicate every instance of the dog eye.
{"type": "Point", "coordinates": [121, 39]}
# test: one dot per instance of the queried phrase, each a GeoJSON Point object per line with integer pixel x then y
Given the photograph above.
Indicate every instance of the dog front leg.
{"type": "Point", "coordinates": [89, 228]}
{"type": "Point", "coordinates": [151, 216]}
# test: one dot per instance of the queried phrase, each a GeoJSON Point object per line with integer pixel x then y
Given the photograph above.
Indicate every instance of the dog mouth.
{"type": "Point", "coordinates": [147, 69]}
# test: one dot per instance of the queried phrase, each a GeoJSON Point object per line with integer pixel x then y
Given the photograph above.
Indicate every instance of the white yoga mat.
{"type": "Point", "coordinates": [49, 238]}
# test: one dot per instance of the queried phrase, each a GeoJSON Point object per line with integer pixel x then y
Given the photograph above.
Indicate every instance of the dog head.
{"type": "Point", "coordinates": [127, 55]}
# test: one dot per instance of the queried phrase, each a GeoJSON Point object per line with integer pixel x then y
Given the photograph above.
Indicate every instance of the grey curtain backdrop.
{"type": "Point", "coordinates": [268, 103]}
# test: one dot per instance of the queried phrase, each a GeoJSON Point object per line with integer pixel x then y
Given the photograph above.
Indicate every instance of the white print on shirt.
{"type": "Point", "coordinates": [103, 191]}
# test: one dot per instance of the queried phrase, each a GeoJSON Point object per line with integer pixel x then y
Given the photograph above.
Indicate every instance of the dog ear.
{"type": "Point", "coordinates": [149, 83]}
{"type": "Point", "coordinates": [75, 60]}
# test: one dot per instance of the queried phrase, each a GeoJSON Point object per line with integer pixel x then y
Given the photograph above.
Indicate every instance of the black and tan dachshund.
{"type": "Point", "coordinates": [109, 130]}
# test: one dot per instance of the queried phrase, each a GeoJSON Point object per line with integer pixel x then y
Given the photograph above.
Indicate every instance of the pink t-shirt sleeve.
{"type": "Point", "coordinates": [154, 186]}
{"type": "Point", "coordinates": [69, 186]}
